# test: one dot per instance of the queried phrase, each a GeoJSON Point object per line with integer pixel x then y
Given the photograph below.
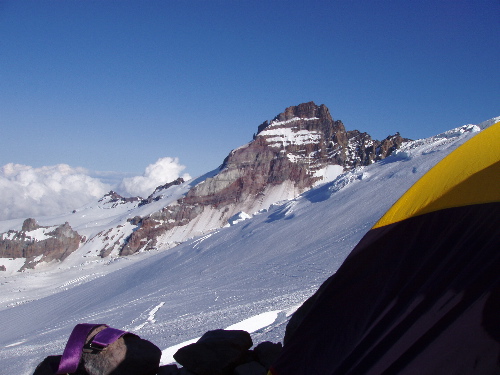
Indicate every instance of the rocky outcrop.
{"type": "Point", "coordinates": [37, 243]}
{"type": "Point", "coordinates": [363, 150]}
{"type": "Point", "coordinates": [156, 195]}
{"type": "Point", "coordinates": [113, 199]}
{"type": "Point", "coordinates": [294, 148]}
{"type": "Point", "coordinates": [153, 226]}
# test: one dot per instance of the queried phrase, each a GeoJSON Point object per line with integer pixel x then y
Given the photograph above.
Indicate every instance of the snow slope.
{"type": "Point", "coordinates": [256, 272]}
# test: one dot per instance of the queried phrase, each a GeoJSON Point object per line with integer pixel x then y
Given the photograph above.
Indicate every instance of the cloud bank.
{"type": "Point", "coordinates": [165, 170]}
{"type": "Point", "coordinates": [26, 191]}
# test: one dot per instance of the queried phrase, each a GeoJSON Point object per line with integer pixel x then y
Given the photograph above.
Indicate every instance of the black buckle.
{"type": "Point", "coordinates": [93, 347]}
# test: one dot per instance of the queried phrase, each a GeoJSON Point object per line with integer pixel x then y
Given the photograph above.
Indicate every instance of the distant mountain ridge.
{"type": "Point", "coordinates": [298, 149]}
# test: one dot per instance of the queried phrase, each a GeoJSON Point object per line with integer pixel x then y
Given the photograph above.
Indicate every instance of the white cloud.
{"type": "Point", "coordinates": [165, 170]}
{"type": "Point", "coordinates": [26, 191]}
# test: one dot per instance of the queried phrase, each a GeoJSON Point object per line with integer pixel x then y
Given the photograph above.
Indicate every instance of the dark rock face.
{"type": "Point", "coordinates": [149, 228]}
{"type": "Point", "coordinates": [363, 150]}
{"type": "Point", "coordinates": [292, 148]}
{"type": "Point", "coordinates": [37, 243]}
{"type": "Point", "coordinates": [29, 225]}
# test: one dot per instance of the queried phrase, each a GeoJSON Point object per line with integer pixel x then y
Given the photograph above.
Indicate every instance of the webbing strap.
{"type": "Point", "coordinates": [73, 350]}
{"type": "Point", "coordinates": [106, 337]}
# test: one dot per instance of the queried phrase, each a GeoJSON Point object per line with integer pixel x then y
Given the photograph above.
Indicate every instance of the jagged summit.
{"type": "Point", "coordinates": [307, 110]}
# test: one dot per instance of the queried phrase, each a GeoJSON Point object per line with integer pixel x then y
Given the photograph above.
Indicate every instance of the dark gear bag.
{"type": "Point", "coordinates": [96, 349]}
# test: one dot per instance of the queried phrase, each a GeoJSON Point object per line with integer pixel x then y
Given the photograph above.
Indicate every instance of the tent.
{"type": "Point", "coordinates": [420, 293]}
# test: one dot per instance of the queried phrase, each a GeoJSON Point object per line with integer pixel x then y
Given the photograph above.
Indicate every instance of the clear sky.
{"type": "Point", "coordinates": [116, 85]}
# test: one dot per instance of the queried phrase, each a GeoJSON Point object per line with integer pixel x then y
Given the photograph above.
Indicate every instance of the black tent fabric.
{"type": "Point", "coordinates": [420, 294]}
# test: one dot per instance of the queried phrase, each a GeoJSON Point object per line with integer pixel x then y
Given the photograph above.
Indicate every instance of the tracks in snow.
{"type": "Point", "coordinates": [151, 317]}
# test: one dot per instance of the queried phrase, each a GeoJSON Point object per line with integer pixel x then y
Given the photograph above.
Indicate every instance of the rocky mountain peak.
{"type": "Point", "coordinates": [289, 155]}
{"type": "Point", "coordinates": [29, 224]}
{"type": "Point", "coordinates": [307, 110]}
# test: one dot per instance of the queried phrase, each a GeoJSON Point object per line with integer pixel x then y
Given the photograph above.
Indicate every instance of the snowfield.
{"type": "Point", "coordinates": [250, 275]}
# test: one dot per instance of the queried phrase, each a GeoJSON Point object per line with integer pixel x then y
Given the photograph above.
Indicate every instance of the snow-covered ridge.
{"type": "Point", "coordinates": [485, 124]}
{"type": "Point", "coordinates": [275, 123]}
{"type": "Point", "coordinates": [431, 144]}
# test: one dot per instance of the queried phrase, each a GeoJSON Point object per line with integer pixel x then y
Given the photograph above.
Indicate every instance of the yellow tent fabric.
{"type": "Point", "coordinates": [453, 181]}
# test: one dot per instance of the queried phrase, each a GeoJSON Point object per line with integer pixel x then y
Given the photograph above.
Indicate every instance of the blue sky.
{"type": "Point", "coordinates": [116, 85]}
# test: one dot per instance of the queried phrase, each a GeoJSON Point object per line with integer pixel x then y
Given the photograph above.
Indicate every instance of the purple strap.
{"type": "Point", "coordinates": [73, 351]}
{"type": "Point", "coordinates": [105, 337]}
